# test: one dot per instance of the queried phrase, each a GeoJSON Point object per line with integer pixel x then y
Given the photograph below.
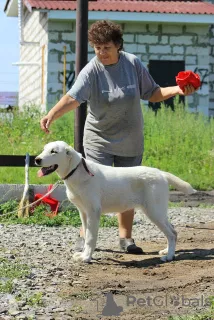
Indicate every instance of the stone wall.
{"type": "Point", "coordinates": [30, 79]}
{"type": "Point", "coordinates": [193, 44]}
{"type": "Point", "coordinates": [62, 37]}
{"type": "Point", "coordinates": [211, 76]}
{"type": "Point", "coordinates": [190, 43]}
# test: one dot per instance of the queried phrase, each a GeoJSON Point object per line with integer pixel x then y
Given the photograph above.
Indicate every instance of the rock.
{"type": "Point", "coordinates": [13, 312]}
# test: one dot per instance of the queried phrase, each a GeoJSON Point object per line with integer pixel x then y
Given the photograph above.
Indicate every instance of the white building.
{"type": "Point", "coordinates": [168, 36]}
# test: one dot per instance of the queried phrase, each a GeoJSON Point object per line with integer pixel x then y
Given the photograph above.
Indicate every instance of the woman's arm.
{"type": "Point", "coordinates": [161, 94]}
{"type": "Point", "coordinates": [65, 104]}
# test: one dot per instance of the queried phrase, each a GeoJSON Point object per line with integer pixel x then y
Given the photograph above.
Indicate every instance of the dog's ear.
{"type": "Point", "coordinates": [69, 151]}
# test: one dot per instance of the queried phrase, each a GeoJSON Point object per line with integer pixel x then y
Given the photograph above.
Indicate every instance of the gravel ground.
{"type": "Point", "coordinates": [47, 251]}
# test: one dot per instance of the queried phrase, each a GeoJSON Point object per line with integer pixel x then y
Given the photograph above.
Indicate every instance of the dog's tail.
{"type": "Point", "coordinates": [178, 183]}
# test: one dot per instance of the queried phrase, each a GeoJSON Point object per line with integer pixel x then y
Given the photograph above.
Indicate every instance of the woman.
{"type": "Point", "coordinates": [113, 83]}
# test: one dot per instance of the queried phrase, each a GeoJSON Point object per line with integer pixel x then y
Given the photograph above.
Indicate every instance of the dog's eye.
{"type": "Point", "coordinates": [53, 151]}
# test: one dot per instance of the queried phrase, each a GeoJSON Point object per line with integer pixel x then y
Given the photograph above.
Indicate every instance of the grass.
{"type": "Point", "coordinates": [67, 217]}
{"type": "Point", "coordinates": [9, 271]}
{"type": "Point", "coordinates": [179, 142]}
{"type": "Point", "coordinates": [208, 315]}
{"type": "Point", "coordinates": [24, 135]}
{"type": "Point", "coordinates": [35, 299]}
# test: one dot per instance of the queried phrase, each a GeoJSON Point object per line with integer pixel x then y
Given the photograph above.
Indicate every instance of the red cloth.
{"type": "Point", "coordinates": [188, 77]}
{"type": "Point", "coordinates": [51, 202]}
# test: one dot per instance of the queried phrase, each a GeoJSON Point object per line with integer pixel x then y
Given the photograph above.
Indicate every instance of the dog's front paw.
{"type": "Point", "coordinates": [167, 258]}
{"type": "Point", "coordinates": [80, 257]}
{"type": "Point", "coordinates": [163, 252]}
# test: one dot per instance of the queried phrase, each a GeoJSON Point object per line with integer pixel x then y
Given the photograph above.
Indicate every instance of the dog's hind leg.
{"type": "Point", "coordinates": [165, 251]}
{"type": "Point", "coordinates": [165, 226]}
{"type": "Point", "coordinates": [93, 219]}
{"type": "Point", "coordinates": [156, 210]}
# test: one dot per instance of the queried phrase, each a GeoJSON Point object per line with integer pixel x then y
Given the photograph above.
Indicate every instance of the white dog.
{"type": "Point", "coordinates": [96, 189]}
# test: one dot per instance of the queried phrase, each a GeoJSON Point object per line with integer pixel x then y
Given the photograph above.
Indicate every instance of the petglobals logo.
{"type": "Point", "coordinates": [111, 307]}
{"type": "Point", "coordinates": [167, 300]}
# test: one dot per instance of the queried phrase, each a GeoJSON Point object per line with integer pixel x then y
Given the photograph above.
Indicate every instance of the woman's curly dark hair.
{"type": "Point", "coordinates": [105, 31]}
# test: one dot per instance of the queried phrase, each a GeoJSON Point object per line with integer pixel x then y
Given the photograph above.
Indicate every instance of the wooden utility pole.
{"type": "Point", "coordinates": [81, 61]}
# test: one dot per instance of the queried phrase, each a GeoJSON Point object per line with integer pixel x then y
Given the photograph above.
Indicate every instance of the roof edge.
{"type": "Point", "coordinates": [135, 16]}
{"type": "Point", "coordinates": [11, 8]}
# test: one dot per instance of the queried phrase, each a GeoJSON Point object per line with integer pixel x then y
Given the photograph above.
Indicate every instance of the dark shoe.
{"type": "Point", "coordinates": [79, 246]}
{"type": "Point", "coordinates": [129, 246]}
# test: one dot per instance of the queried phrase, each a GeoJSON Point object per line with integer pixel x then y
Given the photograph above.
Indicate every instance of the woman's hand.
{"type": "Point", "coordinates": [65, 104]}
{"type": "Point", "coordinates": [189, 89]}
{"type": "Point", "coordinates": [45, 123]}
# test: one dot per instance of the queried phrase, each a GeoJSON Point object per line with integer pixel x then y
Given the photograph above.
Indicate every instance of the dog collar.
{"type": "Point", "coordinates": [72, 171]}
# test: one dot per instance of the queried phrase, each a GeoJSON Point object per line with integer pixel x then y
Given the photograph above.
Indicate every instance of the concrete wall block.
{"type": "Point", "coordinates": [15, 191]}
{"type": "Point", "coordinates": [202, 59]}
{"type": "Point", "coordinates": [60, 26]}
{"type": "Point", "coordinates": [146, 39]}
{"type": "Point", "coordinates": [57, 67]}
{"type": "Point", "coordinates": [68, 36]}
{"type": "Point", "coordinates": [178, 50]}
{"type": "Point", "coordinates": [211, 96]}
{"type": "Point", "coordinates": [203, 40]}
{"type": "Point", "coordinates": [191, 60]}
{"type": "Point", "coordinates": [54, 87]}
{"type": "Point", "coordinates": [151, 57]}
{"type": "Point", "coordinates": [190, 67]}
{"type": "Point", "coordinates": [204, 101]}
{"type": "Point", "coordinates": [70, 57]}
{"type": "Point", "coordinates": [141, 48]}
{"type": "Point", "coordinates": [211, 77]}
{"type": "Point", "coordinates": [53, 36]}
{"type": "Point", "coordinates": [172, 29]}
{"type": "Point", "coordinates": [131, 48]}
{"type": "Point", "coordinates": [134, 27]}
{"type": "Point", "coordinates": [128, 38]}
{"type": "Point", "coordinates": [197, 51]}
{"type": "Point", "coordinates": [53, 77]}
{"type": "Point", "coordinates": [178, 57]}
{"type": "Point", "coordinates": [171, 57]}
{"type": "Point", "coordinates": [56, 46]}
{"type": "Point", "coordinates": [181, 40]}
{"type": "Point", "coordinates": [164, 40]}
{"type": "Point", "coordinates": [196, 29]}
{"type": "Point", "coordinates": [160, 49]}
{"type": "Point", "coordinates": [153, 28]}
{"type": "Point", "coordinates": [52, 98]}
{"type": "Point", "coordinates": [190, 99]}
{"type": "Point", "coordinates": [203, 109]}
{"type": "Point", "coordinates": [53, 57]}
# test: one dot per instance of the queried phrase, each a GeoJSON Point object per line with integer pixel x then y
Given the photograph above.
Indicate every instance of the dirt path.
{"type": "Point", "coordinates": [146, 289]}
{"type": "Point", "coordinates": [115, 285]}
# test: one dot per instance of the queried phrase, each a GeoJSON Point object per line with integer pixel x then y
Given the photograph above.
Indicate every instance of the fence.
{"type": "Point", "coordinates": [15, 161]}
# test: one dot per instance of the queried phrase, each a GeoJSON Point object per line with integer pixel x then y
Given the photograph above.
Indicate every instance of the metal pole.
{"type": "Point", "coordinates": [81, 61]}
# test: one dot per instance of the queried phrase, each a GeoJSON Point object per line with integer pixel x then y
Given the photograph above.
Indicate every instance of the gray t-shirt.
{"type": "Point", "coordinates": [114, 123]}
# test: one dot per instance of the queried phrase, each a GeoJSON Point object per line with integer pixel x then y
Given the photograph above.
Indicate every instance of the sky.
{"type": "Point", "coordinates": [9, 51]}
